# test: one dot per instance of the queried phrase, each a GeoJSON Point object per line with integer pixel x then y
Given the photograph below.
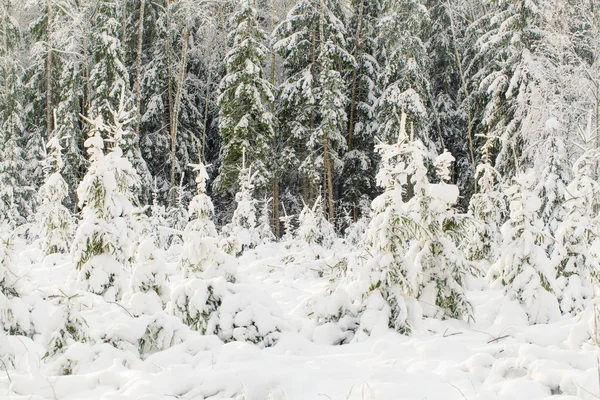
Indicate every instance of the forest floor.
{"type": "Point", "coordinates": [497, 356]}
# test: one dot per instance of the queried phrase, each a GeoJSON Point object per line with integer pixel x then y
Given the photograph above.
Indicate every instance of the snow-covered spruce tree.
{"type": "Point", "coordinates": [313, 226]}
{"type": "Point", "coordinates": [265, 233]}
{"type": "Point", "coordinates": [404, 79]}
{"type": "Point", "coordinates": [523, 268]}
{"type": "Point", "coordinates": [177, 216]}
{"type": "Point", "coordinates": [103, 242]}
{"type": "Point", "coordinates": [8, 278]}
{"type": "Point", "coordinates": [243, 224]}
{"type": "Point", "coordinates": [414, 242]}
{"type": "Point", "coordinates": [576, 254]}
{"type": "Point", "coordinates": [551, 187]}
{"type": "Point", "coordinates": [207, 300]}
{"type": "Point", "coordinates": [16, 193]}
{"type": "Point", "coordinates": [359, 161]}
{"type": "Point", "coordinates": [246, 123]}
{"type": "Point", "coordinates": [488, 208]}
{"type": "Point", "coordinates": [312, 100]}
{"type": "Point", "coordinates": [109, 77]}
{"type": "Point", "coordinates": [55, 219]}
{"type": "Point", "coordinates": [201, 253]}
{"type": "Point", "coordinates": [158, 220]}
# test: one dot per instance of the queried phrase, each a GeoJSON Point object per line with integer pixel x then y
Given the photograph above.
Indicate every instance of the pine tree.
{"type": "Point", "coordinates": [103, 241]}
{"type": "Point", "coordinates": [246, 123]}
{"type": "Point", "coordinates": [54, 218]}
{"type": "Point", "coordinates": [523, 268]}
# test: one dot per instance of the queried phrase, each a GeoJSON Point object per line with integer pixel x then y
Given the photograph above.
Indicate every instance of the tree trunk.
{"type": "Point", "coordinates": [49, 71]}
{"type": "Point", "coordinates": [175, 112]}
{"type": "Point", "coordinates": [467, 98]}
{"type": "Point", "coordinates": [355, 77]}
{"type": "Point", "coordinates": [138, 71]}
{"type": "Point", "coordinates": [276, 223]}
{"type": "Point", "coordinates": [123, 26]}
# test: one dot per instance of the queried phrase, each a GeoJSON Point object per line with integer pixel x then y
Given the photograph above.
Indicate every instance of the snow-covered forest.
{"type": "Point", "coordinates": [300, 199]}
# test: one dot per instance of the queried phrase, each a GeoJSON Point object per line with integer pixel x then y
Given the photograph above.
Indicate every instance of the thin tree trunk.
{"type": "Point", "coordinates": [123, 25]}
{"type": "Point", "coordinates": [206, 99]}
{"type": "Point", "coordinates": [327, 170]}
{"type": "Point", "coordinates": [467, 98]}
{"type": "Point", "coordinates": [175, 113]}
{"type": "Point", "coordinates": [88, 82]}
{"type": "Point", "coordinates": [355, 77]}
{"type": "Point", "coordinates": [276, 223]}
{"type": "Point", "coordinates": [4, 42]}
{"type": "Point", "coordinates": [49, 71]}
{"type": "Point", "coordinates": [138, 71]}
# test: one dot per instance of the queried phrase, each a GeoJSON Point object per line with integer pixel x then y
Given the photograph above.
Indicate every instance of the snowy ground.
{"type": "Point", "coordinates": [497, 357]}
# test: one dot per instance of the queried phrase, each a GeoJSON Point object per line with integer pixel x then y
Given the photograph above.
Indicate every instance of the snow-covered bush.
{"type": "Point", "coordinates": [523, 268]}
{"type": "Point", "coordinates": [313, 227]}
{"type": "Point", "coordinates": [149, 287]}
{"type": "Point", "coordinates": [70, 327]}
{"type": "Point", "coordinates": [147, 334]}
{"type": "Point", "coordinates": [356, 233]}
{"type": "Point", "coordinates": [104, 240]}
{"type": "Point", "coordinates": [53, 217]}
{"type": "Point", "coordinates": [233, 312]}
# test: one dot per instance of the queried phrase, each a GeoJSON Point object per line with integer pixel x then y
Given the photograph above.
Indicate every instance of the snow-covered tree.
{"type": "Point", "coordinates": [488, 208]}
{"type": "Point", "coordinates": [312, 100]}
{"type": "Point", "coordinates": [201, 254]}
{"type": "Point", "coordinates": [265, 233]}
{"type": "Point", "coordinates": [313, 226]}
{"type": "Point", "coordinates": [243, 224]}
{"type": "Point", "coordinates": [246, 122]}
{"type": "Point", "coordinates": [576, 254]}
{"type": "Point", "coordinates": [103, 242]}
{"type": "Point", "coordinates": [404, 79]}
{"type": "Point", "coordinates": [414, 240]}
{"type": "Point", "coordinates": [523, 268]}
{"type": "Point", "coordinates": [54, 218]}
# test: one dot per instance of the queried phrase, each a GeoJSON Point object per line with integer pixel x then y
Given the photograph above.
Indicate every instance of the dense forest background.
{"type": "Point", "coordinates": [301, 90]}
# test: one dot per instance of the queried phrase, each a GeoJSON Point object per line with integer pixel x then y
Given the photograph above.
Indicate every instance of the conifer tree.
{"type": "Point", "coordinates": [201, 254]}
{"type": "Point", "coordinates": [246, 123]}
{"type": "Point", "coordinates": [414, 242]}
{"type": "Point", "coordinates": [404, 79]}
{"type": "Point", "coordinates": [243, 224]}
{"type": "Point", "coordinates": [312, 100]}
{"type": "Point", "coordinates": [16, 194]}
{"type": "Point", "coordinates": [523, 268]}
{"type": "Point", "coordinates": [359, 160]}
{"type": "Point", "coordinates": [577, 237]}
{"type": "Point", "coordinates": [103, 242]}
{"type": "Point", "coordinates": [54, 218]}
